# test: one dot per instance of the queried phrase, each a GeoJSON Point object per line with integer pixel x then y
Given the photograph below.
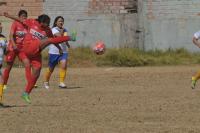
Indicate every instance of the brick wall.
{"type": "Point", "coordinates": [33, 7]}
{"type": "Point", "coordinates": [113, 6]}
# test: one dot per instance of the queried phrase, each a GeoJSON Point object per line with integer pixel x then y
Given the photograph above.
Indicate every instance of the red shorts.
{"type": "Point", "coordinates": [10, 56]}
{"type": "Point", "coordinates": [32, 48]}
{"type": "Point", "coordinates": [36, 61]}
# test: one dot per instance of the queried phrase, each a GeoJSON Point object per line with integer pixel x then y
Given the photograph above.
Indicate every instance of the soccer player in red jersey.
{"type": "Point", "coordinates": [15, 46]}
{"type": "Point", "coordinates": [38, 37]}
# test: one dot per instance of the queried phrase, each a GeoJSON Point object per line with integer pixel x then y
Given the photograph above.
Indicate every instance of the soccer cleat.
{"type": "Point", "coordinates": [46, 85]}
{"type": "Point", "coordinates": [5, 87]}
{"type": "Point", "coordinates": [35, 86]}
{"type": "Point", "coordinates": [73, 36]}
{"type": "Point", "coordinates": [26, 98]}
{"type": "Point", "coordinates": [193, 84]}
{"type": "Point", "coordinates": [62, 85]}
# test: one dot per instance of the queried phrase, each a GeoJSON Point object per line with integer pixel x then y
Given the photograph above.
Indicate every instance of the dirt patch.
{"type": "Point", "coordinates": [106, 100]}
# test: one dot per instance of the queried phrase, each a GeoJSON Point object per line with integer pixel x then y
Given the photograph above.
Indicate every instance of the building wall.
{"type": "Point", "coordinates": [168, 24]}
{"type": "Point", "coordinates": [33, 7]}
{"type": "Point", "coordinates": [111, 21]}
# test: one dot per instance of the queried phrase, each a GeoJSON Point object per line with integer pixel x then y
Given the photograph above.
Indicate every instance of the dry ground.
{"type": "Point", "coordinates": [106, 100]}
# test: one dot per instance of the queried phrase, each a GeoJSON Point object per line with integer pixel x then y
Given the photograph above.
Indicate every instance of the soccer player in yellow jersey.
{"type": "Point", "coordinates": [195, 40]}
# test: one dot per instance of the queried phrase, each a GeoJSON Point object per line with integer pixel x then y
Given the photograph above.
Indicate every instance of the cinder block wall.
{"type": "Point", "coordinates": [112, 21]}
{"type": "Point", "coordinates": [168, 24]}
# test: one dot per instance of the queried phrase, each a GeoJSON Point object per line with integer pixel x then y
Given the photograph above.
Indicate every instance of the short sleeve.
{"type": "Point", "coordinates": [55, 30]}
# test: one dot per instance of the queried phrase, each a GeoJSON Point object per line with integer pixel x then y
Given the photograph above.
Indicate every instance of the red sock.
{"type": "Point", "coordinates": [6, 76]}
{"type": "Point", "coordinates": [31, 84]}
{"type": "Point", "coordinates": [28, 73]}
{"type": "Point", "coordinates": [61, 39]}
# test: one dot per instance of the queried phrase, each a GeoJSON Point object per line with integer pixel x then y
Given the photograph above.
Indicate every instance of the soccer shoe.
{"type": "Point", "coordinates": [5, 87]}
{"type": "Point", "coordinates": [73, 36]}
{"type": "Point", "coordinates": [193, 84]}
{"type": "Point", "coordinates": [26, 98]}
{"type": "Point", "coordinates": [62, 85]}
{"type": "Point", "coordinates": [35, 86]}
{"type": "Point", "coordinates": [46, 85]}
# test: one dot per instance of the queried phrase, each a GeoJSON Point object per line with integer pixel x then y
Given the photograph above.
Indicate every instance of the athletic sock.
{"type": "Point", "coordinates": [31, 84]}
{"type": "Point", "coordinates": [28, 73]}
{"type": "Point", "coordinates": [62, 74]}
{"type": "Point", "coordinates": [5, 76]}
{"type": "Point", "coordinates": [47, 75]}
{"type": "Point", "coordinates": [1, 92]}
{"type": "Point", "coordinates": [196, 76]}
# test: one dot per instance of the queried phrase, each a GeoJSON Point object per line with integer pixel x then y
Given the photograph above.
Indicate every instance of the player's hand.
{"type": "Point", "coordinates": [73, 36]}
{"type": "Point", "coordinates": [198, 14]}
{"type": "Point", "coordinates": [5, 14]}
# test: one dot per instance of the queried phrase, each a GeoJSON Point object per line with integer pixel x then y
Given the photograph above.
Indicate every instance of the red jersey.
{"type": "Point", "coordinates": [35, 32]}
{"type": "Point", "coordinates": [19, 31]}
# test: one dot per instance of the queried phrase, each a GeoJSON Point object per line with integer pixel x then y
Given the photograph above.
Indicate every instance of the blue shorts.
{"type": "Point", "coordinates": [55, 58]}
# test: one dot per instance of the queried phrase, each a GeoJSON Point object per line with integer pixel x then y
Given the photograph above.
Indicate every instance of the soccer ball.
{"type": "Point", "coordinates": [99, 48]}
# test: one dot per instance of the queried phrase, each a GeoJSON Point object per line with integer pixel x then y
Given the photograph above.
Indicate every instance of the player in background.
{"type": "Point", "coordinates": [3, 45]}
{"type": "Point", "coordinates": [15, 46]}
{"type": "Point", "coordinates": [38, 37]}
{"type": "Point", "coordinates": [196, 41]}
{"type": "Point", "coordinates": [55, 57]}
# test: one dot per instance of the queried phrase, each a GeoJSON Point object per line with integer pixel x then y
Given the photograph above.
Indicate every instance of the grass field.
{"type": "Point", "coordinates": [129, 57]}
{"type": "Point", "coordinates": [106, 100]}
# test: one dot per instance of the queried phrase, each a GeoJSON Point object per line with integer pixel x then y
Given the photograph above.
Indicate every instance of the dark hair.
{"type": "Point", "coordinates": [56, 19]}
{"type": "Point", "coordinates": [22, 12]}
{"type": "Point", "coordinates": [44, 19]}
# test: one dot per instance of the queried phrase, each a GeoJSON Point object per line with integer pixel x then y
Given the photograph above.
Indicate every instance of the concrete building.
{"type": "Point", "coordinates": [144, 24]}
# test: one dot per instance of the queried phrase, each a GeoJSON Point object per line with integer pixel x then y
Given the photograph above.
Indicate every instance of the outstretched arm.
{"type": "Point", "coordinates": [11, 17]}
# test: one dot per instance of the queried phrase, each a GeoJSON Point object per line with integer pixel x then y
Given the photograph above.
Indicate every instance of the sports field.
{"type": "Point", "coordinates": [106, 100]}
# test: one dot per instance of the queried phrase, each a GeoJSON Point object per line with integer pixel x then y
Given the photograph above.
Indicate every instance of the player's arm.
{"type": "Point", "coordinates": [11, 36]}
{"type": "Point", "coordinates": [15, 18]}
{"type": "Point", "coordinates": [196, 38]}
{"type": "Point", "coordinates": [11, 17]}
{"type": "Point", "coordinates": [50, 34]}
{"type": "Point", "coordinates": [61, 34]}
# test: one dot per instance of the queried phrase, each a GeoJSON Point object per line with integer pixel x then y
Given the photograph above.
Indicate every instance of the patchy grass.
{"type": "Point", "coordinates": [84, 57]}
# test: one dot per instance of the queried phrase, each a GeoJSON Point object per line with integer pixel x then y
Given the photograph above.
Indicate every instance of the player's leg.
{"type": "Point", "coordinates": [36, 68]}
{"type": "Point", "coordinates": [56, 40]}
{"type": "Point", "coordinates": [1, 76]}
{"type": "Point", "coordinates": [24, 59]}
{"type": "Point", "coordinates": [53, 60]}
{"type": "Point", "coordinates": [1, 85]}
{"type": "Point", "coordinates": [10, 58]}
{"type": "Point", "coordinates": [63, 70]}
{"type": "Point", "coordinates": [26, 62]}
{"type": "Point", "coordinates": [194, 79]}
